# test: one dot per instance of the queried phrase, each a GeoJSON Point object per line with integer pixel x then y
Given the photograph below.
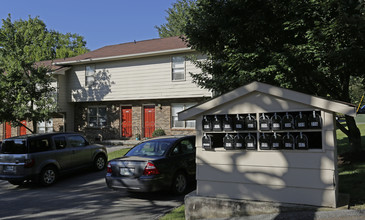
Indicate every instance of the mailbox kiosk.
{"type": "Point", "coordinates": [289, 161]}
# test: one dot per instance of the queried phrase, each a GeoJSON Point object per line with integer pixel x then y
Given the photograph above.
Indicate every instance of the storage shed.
{"type": "Point", "coordinates": [265, 143]}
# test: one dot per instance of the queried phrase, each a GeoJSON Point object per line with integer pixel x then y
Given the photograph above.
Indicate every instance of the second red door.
{"type": "Point", "coordinates": [149, 120]}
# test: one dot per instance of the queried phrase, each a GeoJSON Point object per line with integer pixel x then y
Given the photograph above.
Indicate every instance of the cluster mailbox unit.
{"type": "Point", "coordinates": [272, 131]}
{"type": "Point", "coordinates": [265, 143]}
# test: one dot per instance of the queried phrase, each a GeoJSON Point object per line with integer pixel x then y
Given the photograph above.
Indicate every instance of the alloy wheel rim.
{"type": "Point", "coordinates": [100, 163]}
{"type": "Point", "coordinates": [180, 183]}
{"type": "Point", "coordinates": [49, 176]}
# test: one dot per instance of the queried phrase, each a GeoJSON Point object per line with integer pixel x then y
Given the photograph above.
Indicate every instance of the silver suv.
{"type": "Point", "coordinates": [42, 157]}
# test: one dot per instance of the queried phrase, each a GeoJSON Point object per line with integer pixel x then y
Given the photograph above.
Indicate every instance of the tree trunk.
{"type": "Point", "coordinates": [353, 134]}
{"type": "Point", "coordinates": [34, 127]}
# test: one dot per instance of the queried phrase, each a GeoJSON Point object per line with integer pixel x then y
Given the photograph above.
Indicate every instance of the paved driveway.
{"type": "Point", "coordinates": [81, 196]}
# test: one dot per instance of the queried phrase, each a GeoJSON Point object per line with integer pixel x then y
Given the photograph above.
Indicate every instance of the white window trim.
{"type": "Point", "coordinates": [185, 106]}
{"type": "Point", "coordinates": [172, 69]}
{"type": "Point", "coordinates": [87, 76]}
{"type": "Point", "coordinates": [45, 126]}
{"type": "Point", "coordinates": [97, 116]}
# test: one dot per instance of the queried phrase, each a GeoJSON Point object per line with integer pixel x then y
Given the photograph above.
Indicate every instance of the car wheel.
{"type": "Point", "coordinates": [99, 162]}
{"type": "Point", "coordinates": [48, 176]}
{"type": "Point", "coordinates": [179, 183]}
{"type": "Point", "coordinates": [16, 182]}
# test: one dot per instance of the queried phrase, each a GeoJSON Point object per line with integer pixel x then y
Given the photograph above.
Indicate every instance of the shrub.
{"type": "Point", "coordinates": [158, 132]}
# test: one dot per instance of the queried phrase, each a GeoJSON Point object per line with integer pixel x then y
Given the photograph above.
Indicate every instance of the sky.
{"type": "Point", "coordinates": [100, 22]}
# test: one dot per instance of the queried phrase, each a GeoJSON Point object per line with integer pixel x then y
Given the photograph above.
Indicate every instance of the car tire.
{"type": "Point", "coordinates": [48, 176]}
{"type": "Point", "coordinates": [179, 183]}
{"type": "Point", "coordinates": [16, 182]}
{"type": "Point", "coordinates": [100, 163]}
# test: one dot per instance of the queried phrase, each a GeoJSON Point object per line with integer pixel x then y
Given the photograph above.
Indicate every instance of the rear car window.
{"type": "Point", "coordinates": [76, 141]}
{"type": "Point", "coordinates": [39, 145]}
{"type": "Point", "coordinates": [60, 142]}
{"type": "Point", "coordinates": [14, 146]}
{"type": "Point", "coordinates": [151, 148]}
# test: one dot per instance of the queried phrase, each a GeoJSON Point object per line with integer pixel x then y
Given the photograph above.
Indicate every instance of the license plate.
{"type": "Point", "coordinates": [9, 169]}
{"type": "Point", "coordinates": [125, 171]}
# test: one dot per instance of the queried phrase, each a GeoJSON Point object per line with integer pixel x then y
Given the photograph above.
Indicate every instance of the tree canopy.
{"type": "Point", "coordinates": [25, 86]}
{"type": "Point", "coordinates": [177, 18]}
{"type": "Point", "coordinates": [312, 46]}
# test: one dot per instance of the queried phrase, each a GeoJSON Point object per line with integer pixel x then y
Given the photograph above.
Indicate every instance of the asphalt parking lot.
{"type": "Point", "coordinates": [82, 195]}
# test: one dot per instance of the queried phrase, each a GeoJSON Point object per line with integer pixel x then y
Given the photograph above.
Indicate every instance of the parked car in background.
{"type": "Point", "coordinates": [43, 157]}
{"type": "Point", "coordinates": [157, 164]}
{"type": "Point", "coordinates": [361, 110]}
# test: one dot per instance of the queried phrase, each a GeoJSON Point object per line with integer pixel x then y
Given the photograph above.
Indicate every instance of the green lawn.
{"type": "Point", "coordinates": [118, 153]}
{"type": "Point", "coordinates": [352, 174]}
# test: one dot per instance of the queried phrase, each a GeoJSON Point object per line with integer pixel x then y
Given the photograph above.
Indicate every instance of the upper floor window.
{"type": "Point", "coordinates": [89, 75]}
{"type": "Point", "coordinates": [176, 108]}
{"type": "Point", "coordinates": [178, 68]}
{"type": "Point", "coordinates": [96, 116]}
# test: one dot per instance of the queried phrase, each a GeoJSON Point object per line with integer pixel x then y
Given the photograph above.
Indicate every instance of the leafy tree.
{"type": "Point", "coordinates": [178, 17]}
{"type": "Point", "coordinates": [25, 86]}
{"type": "Point", "coordinates": [313, 46]}
{"type": "Point", "coordinates": [357, 89]}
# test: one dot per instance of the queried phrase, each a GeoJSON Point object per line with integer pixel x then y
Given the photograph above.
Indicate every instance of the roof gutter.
{"type": "Point", "coordinates": [122, 57]}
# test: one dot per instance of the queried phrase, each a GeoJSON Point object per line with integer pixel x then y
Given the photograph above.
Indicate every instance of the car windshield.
{"type": "Point", "coordinates": [151, 148]}
{"type": "Point", "coordinates": [14, 146]}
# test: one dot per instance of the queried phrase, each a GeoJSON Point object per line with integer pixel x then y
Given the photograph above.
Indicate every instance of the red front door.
{"type": "Point", "coordinates": [127, 121]}
{"type": "Point", "coordinates": [149, 120]}
{"type": "Point", "coordinates": [23, 130]}
{"type": "Point", "coordinates": [7, 130]}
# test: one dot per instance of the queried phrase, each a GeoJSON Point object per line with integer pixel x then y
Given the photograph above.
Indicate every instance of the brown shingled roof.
{"type": "Point", "coordinates": [48, 63]}
{"type": "Point", "coordinates": [137, 47]}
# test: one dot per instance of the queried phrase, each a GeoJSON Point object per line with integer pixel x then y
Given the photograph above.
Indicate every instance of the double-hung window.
{"type": "Point", "coordinates": [89, 75]}
{"type": "Point", "coordinates": [45, 126]}
{"type": "Point", "coordinates": [176, 108]}
{"type": "Point", "coordinates": [97, 116]}
{"type": "Point", "coordinates": [178, 68]}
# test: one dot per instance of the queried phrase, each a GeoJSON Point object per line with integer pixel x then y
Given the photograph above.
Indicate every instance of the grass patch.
{"type": "Point", "coordinates": [176, 214]}
{"type": "Point", "coordinates": [352, 174]}
{"type": "Point", "coordinates": [118, 153]}
{"type": "Point", "coordinates": [343, 140]}
{"type": "Point", "coordinates": [352, 182]}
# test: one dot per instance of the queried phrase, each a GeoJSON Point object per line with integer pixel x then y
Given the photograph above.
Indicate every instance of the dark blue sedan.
{"type": "Point", "coordinates": [153, 165]}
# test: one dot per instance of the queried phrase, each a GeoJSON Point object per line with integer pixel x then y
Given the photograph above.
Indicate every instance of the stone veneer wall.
{"type": "Point", "coordinates": [58, 125]}
{"type": "Point", "coordinates": [113, 130]}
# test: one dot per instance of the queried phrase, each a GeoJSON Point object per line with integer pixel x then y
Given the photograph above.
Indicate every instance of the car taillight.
{"type": "Point", "coordinates": [29, 163]}
{"type": "Point", "coordinates": [109, 168]}
{"type": "Point", "coordinates": [150, 169]}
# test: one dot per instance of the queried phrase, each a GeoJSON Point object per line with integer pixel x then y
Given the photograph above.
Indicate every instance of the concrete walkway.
{"type": "Point", "coordinates": [308, 215]}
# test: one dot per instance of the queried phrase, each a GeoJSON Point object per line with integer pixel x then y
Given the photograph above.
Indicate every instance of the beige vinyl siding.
{"type": "Point", "coordinates": [64, 105]}
{"type": "Point", "coordinates": [143, 78]}
{"type": "Point", "coordinates": [310, 196]}
{"type": "Point", "coordinates": [62, 91]}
